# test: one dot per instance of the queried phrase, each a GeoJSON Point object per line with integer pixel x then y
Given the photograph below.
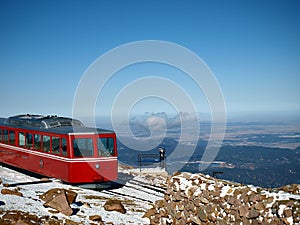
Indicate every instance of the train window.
{"type": "Point", "coordinates": [83, 147]}
{"type": "Point", "coordinates": [1, 135]}
{"type": "Point", "coordinates": [46, 143]}
{"type": "Point", "coordinates": [12, 137]}
{"type": "Point", "coordinates": [5, 136]}
{"type": "Point", "coordinates": [21, 139]}
{"type": "Point", "coordinates": [64, 147]}
{"type": "Point", "coordinates": [55, 145]}
{"type": "Point", "coordinates": [105, 146]}
{"type": "Point", "coordinates": [29, 140]}
{"type": "Point", "coordinates": [37, 141]}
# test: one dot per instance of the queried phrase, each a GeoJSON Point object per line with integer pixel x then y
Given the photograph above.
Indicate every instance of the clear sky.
{"type": "Point", "coordinates": [253, 48]}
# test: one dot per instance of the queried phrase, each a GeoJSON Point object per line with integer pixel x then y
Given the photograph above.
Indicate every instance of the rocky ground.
{"type": "Point", "coordinates": [201, 199]}
{"type": "Point", "coordinates": [27, 200]}
{"type": "Point", "coordinates": [145, 197]}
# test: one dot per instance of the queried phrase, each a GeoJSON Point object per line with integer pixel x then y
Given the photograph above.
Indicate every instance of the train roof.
{"type": "Point", "coordinates": [52, 124]}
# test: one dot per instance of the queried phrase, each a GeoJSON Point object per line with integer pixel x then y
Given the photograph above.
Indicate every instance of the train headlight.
{"type": "Point", "coordinates": [97, 166]}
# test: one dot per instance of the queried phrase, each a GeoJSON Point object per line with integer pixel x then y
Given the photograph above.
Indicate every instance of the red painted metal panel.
{"type": "Point", "coordinates": [71, 171]}
{"type": "Point", "coordinates": [34, 163]}
{"type": "Point", "coordinates": [93, 172]}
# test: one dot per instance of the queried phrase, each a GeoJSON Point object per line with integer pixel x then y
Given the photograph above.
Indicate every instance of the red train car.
{"type": "Point", "coordinates": [59, 147]}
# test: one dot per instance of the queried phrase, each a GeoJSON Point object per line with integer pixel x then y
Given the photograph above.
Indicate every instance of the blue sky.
{"type": "Point", "coordinates": [252, 47]}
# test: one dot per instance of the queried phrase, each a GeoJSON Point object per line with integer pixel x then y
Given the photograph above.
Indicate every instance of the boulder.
{"type": "Point", "coordinates": [6, 191]}
{"type": "Point", "coordinates": [253, 213]}
{"type": "Point", "coordinates": [202, 214]}
{"type": "Point", "coordinates": [96, 218]}
{"type": "Point", "coordinates": [69, 222]}
{"type": "Point", "coordinates": [151, 212]}
{"type": "Point", "coordinates": [60, 203]}
{"type": "Point", "coordinates": [50, 194]}
{"type": "Point", "coordinates": [114, 205]}
{"type": "Point", "coordinates": [5, 185]}
{"type": "Point", "coordinates": [259, 206]}
{"type": "Point", "coordinates": [243, 211]}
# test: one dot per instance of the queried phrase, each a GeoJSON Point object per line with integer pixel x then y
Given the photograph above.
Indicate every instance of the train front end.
{"type": "Point", "coordinates": [94, 157]}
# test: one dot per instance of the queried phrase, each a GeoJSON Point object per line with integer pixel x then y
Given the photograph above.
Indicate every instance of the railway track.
{"type": "Point", "coordinates": [114, 193]}
{"type": "Point", "coordinates": [149, 186]}
{"type": "Point", "coordinates": [137, 190]}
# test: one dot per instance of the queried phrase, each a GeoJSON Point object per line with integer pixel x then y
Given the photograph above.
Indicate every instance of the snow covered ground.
{"type": "Point", "coordinates": [137, 195]}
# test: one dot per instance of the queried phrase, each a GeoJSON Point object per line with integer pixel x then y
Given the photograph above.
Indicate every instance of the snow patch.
{"type": "Point", "coordinates": [88, 202]}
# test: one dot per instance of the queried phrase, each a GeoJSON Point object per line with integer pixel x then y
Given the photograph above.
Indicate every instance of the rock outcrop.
{"type": "Point", "coordinates": [200, 199]}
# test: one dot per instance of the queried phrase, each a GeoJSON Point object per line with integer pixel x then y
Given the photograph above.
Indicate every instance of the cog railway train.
{"type": "Point", "coordinates": [59, 147]}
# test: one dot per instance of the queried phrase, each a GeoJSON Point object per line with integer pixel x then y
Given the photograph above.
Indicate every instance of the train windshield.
{"type": "Point", "coordinates": [105, 146]}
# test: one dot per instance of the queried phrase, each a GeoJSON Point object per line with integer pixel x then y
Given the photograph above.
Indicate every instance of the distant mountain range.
{"type": "Point", "coordinates": [257, 165]}
{"type": "Point", "coordinates": [263, 153]}
{"type": "Point", "coordinates": [262, 166]}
